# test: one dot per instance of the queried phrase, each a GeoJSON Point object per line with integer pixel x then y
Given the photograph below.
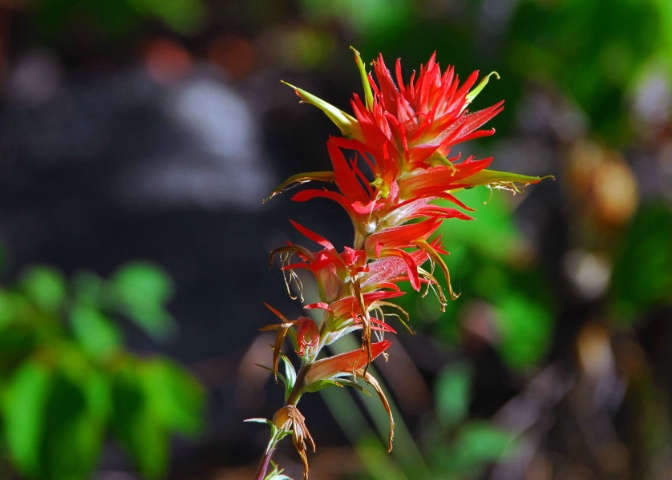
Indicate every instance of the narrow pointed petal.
{"type": "Point", "coordinates": [346, 176]}
{"type": "Point", "coordinates": [312, 235]}
{"type": "Point", "coordinates": [401, 237]}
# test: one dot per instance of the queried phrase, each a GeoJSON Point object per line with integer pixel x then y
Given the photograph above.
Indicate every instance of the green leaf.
{"type": "Point", "coordinates": [452, 394]}
{"type": "Point", "coordinates": [18, 338]}
{"type": "Point", "coordinates": [276, 473]}
{"type": "Point", "coordinates": [479, 443]}
{"type": "Point", "coordinates": [526, 328]}
{"type": "Point", "coordinates": [94, 331]}
{"type": "Point", "coordinates": [641, 277]}
{"type": "Point", "coordinates": [134, 424]}
{"type": "Point", "coordinates": [173, 396]}
{"type": "Point", "coordinates": [24, 400]}
{"type": "Point", "coordinates": [73, 434]}
{"type": "Point", "coordinates": [142, 290]}
{"type": "Point", "coordinates": [476, 445]}
{"type": "Point", "coordinates": [93, 382]}
{"type": "Point", "coordinates": [45, 286]}
{"type": "Point", "coordinates": [259, 420]}
{"type": "Point", "coordinates": [604, 52]}
{"type": "Point", "coordinates": [322, 384]}
{"type": "Point", "coordinates": [344, 382]}
{"type": "Point", "coordinates": [289, 379]}
{"type": "Point", "coordinates": [494, 219]}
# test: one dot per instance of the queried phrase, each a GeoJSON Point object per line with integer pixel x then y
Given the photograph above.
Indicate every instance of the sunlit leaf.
{"type": "Point", "coordinates": [134, 425]}
{"type": "Point", "coordinates": [24, 400]}
{"type": "Point", "coordinates": [95, 332]}
{"type": "Point", "coordinates": [173, 397]}
{"type": "Point", "coordinates": [143, 289]}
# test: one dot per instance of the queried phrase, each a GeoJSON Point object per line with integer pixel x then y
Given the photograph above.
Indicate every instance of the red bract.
{"type": "Point", "coordinates": [356, 195]}
{"type": "Point", "coordinates": [344, 364]}
{"type": "Point", "coordinates": [331, 269]}
{"type": "Point", "coordinates": [437, 181]}
{"type": "Point", "coordinates": [415, 125]}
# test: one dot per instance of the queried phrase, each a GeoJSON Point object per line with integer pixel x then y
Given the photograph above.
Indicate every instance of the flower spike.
{"type": "Point", "coordinates": [398, 155]}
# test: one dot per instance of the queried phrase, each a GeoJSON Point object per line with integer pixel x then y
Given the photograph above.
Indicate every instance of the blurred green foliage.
{"type": "Point", "coordinates": [460, 447]}
{"type": "Point", "coordinates": [370, 18]}
{"type": "Point", "coordinates": [109, 21]}
{"type": "Point", "coordinates": [594, 58]}
{"type": "Point", "coordinates": [491, 263]}
{"type": "Point", "coordinates": [451, 446]}
{"type": "Point", "coordinates": [642, 277]}
{"type": "Point", "coordinates": [67, 381]}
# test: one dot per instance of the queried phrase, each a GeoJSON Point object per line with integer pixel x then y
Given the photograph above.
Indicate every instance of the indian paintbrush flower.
{"type": "Point", "coordinates": [394, 160]}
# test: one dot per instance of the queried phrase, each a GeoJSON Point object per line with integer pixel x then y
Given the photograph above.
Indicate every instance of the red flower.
{"type": "Point", "coordinates": [344, 364]}
{"type": "Point", "coordinates": [415, 125]}
{"type": "Point", "coordinates": [356, 194]}
{"type": "Point", "coordinates": [331, 269]}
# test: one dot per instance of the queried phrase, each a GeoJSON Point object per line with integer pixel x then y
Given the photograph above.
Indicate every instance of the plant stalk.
{"type": "Point", "coordinates": [266, 459]}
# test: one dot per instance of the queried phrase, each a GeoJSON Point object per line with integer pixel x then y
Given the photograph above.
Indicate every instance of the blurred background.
{"type": "Point", "coordinates": [137, 141]}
